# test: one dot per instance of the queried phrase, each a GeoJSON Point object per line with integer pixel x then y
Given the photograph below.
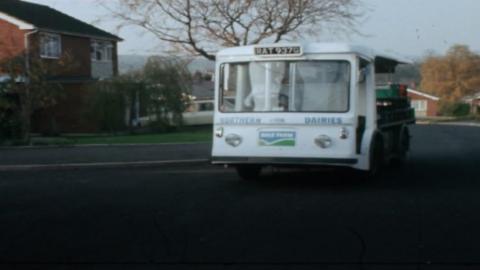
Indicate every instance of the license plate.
{"type": "Point", "coordinates": [277, 138]}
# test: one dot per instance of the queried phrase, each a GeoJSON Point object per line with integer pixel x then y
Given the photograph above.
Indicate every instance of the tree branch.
{"type": "Point", "coordinates": [201, 26]}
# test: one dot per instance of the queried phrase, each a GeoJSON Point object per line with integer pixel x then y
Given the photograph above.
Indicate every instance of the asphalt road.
{"type": "Point", "coordinates": [422, 216]}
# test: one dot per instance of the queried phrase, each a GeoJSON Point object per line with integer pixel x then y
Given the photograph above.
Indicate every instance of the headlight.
{"type": "Point", "coordinates": [233, 140]}
{"type": "Point", "coordinates": [344, 133]}
{"type": "Point", "coordinates": [219, 132]}
{"type": "Point", "coordinates": [323, 141]}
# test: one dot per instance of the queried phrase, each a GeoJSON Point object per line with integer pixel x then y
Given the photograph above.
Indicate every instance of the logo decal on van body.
{"type": "Point", "coordinates": [277, 138]}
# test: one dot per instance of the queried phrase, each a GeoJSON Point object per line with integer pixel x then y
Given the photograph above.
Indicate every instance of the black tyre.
{"type": "Point", "coordinates": [403, 145]}
{"type": "Point", "coordinates": [376, 160]}
{"type": "Point", "coordinates": [249, 172]}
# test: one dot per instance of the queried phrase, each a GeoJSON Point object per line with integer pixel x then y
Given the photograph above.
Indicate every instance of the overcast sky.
{"type": "Point", "coordinates": [407, 27]}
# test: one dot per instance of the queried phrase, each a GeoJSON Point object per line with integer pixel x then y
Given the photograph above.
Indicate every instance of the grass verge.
{"type": "Point", "coordinates": [446, 119]}
{"type": "Point", "coordinates": [186, 136]}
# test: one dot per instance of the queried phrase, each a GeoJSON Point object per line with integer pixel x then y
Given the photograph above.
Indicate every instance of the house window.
{"type": "Point", "coordinates": [101, 50]}
{"type": "Point", "coordinates": [205, 107]}
{"type": "Point", "coordinates": [419, 105]}
{"type": "Point", "coordinates": [50, 46]}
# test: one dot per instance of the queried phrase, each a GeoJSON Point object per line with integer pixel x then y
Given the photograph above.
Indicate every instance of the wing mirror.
{"type": "Point", "coordinates": [362, 75]}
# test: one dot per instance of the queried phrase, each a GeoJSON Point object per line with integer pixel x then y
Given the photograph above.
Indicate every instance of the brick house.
{"type": "Point", "coordinates": [474, 102]}
{"type": "Point", "coordinates": [425, 105]}
{"type": "Point", "coordinates": [40, 32]}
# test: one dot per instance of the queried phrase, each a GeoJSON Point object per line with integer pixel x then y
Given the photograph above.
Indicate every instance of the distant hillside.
{"type": "Point", "coordinates": [201, 64]}
{"type": "Point", "coordinates": [132, 62]}
{"type": "Point", "coordinates": [407, 74]}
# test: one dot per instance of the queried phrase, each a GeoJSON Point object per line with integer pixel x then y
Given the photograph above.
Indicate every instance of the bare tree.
{"type": "Point", "coordinates": [202, 26]}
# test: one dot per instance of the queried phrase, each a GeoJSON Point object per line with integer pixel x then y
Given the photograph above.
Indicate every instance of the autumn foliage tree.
{"type": "Point", "coordinates": [452, 76]}
{"type": "Point", "coordinates": [201, 27]}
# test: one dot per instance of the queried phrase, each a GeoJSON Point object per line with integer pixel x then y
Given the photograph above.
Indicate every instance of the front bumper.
{"type": "Point", "coordinates": [285, 161]}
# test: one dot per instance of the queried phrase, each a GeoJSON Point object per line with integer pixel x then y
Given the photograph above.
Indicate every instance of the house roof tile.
{"type": "Point", "coordinates": [46, 18]}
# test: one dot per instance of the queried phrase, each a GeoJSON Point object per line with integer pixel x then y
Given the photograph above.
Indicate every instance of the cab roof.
{"type": "Point", "coordinates": [384, 62]}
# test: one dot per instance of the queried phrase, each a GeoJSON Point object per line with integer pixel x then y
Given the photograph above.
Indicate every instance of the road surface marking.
{"type": "Point", "coordinates": [27, 167]}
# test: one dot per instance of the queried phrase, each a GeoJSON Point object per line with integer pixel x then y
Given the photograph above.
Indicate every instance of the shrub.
{"type": "Point", "coordinates": [107, 108]}
{"type": "Point", "coordinates": [10, 122]}
{"type": "Point", "coordinates": [161, 88]}
{"type": "Point", "coordinates": [454, 109]}
{"type": "Point", "coordinates": [168, 86]}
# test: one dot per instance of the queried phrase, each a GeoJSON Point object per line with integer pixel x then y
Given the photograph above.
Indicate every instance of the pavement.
{"type": "Point", "coordinates": [429, 121]}
{"type": "Point", "coordinates": [197, 216]}
{"type": "Point", "coordinates": [28, 158]}
{"type": "Point", "coordinates": [463, 123]}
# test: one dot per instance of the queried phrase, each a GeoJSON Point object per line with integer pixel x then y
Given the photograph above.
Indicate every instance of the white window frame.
{"type": "Point", "coordinates": [50, 46]}
{"type": "Point", "coordinates": [105, 48]}
{"type": "Point", "coordinates": [420, 105]}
